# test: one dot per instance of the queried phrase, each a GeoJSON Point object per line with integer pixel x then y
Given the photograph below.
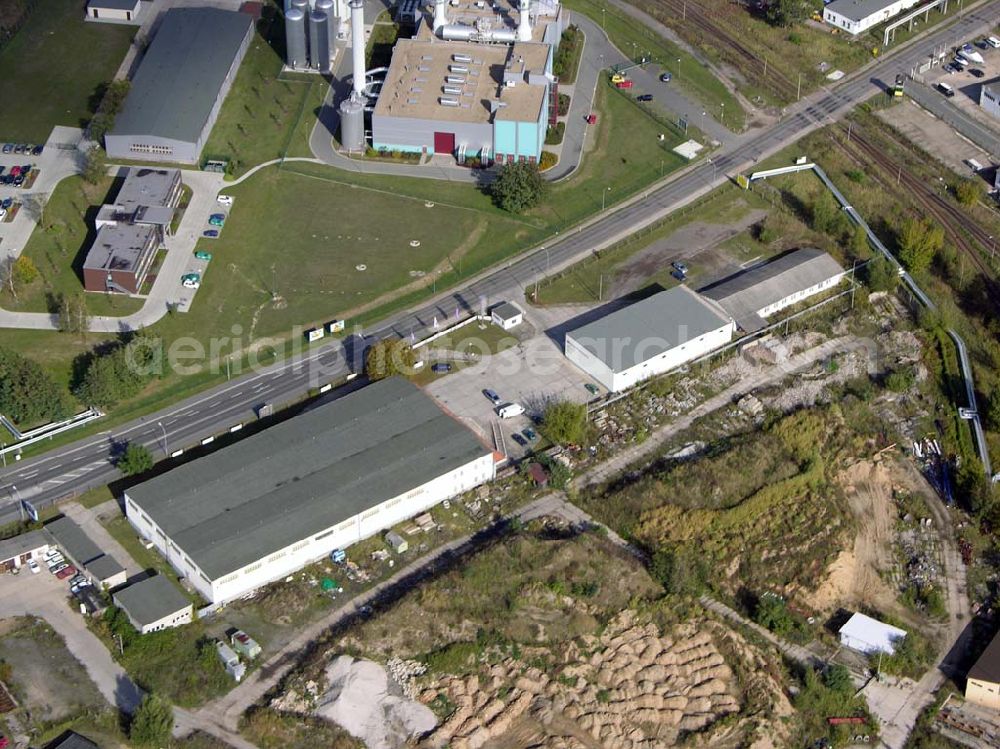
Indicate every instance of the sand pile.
{"type": "Point", "coordinates": [361, 701]}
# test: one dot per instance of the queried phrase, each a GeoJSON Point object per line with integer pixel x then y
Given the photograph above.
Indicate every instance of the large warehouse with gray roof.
{"type": "Point", "coordinates": [257, 510]}
{"type": "Point", "coordinates": [181, 83]}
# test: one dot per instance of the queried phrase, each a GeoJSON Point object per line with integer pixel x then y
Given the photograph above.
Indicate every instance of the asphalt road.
{"type": "Point", "coordinates": [85, 464]}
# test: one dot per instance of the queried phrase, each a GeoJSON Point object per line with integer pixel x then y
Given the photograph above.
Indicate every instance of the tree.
{"type": "Point", "coordinates": [388, 357]}
{"type": "Point", "coordinates": [919, 241]}
{"type": "Point", "coordinates": [968, 191]}
{"type": "Point", "coordinates": [27, 394]}
{"type": "Point", "coordinates": [838, 678]}
{"type": "Point", "coordinates": [825, 215]}
{"type": "Point", "coordinates": [118, 374]}
{"type": "Point", "coordinates": [74, 317]}
{"type": "Point", "coordinates": [152, 722]}
{"type": "Point", "coordinates": [787, 12]}
{"type": "Point", "coordinates": [135, 460]}
{"type": "Point", "coordinates": [518, 186]}
{"type": "Point", "coordinates": [16, 273]}
{"type": "Point", "coordinates": [772, 613]}
{"type": "Point", "coordinates": [677, 571]}
{"type": "Point", "coordinates": [565, 422]}
{"type": "Point", "coordinates": [993, 410]}
{"type": "Point", "coordinates": [96, 165]}
{"type": "Point", "coordinates": [859, 243]}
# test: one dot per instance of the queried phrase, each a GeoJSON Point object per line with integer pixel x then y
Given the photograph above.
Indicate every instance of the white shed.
{"type": "Point", "coordinates": [870, 636]}
{"type": "Point", "coordinates": [121, 11]}
{"type": "Point", "coordinates": [507, 315]}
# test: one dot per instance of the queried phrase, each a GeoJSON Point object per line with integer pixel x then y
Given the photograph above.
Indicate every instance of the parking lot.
{"type": "Point", "coordinates": [533, 373]}
{"type": "Point", "coordinates": [968, 82]}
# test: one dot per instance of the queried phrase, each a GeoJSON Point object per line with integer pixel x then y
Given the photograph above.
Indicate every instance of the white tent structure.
{"type": "Point", "coordinates": [870, 636]}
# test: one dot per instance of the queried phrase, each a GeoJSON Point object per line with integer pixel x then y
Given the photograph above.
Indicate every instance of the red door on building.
{"type": "Point", "coordinates": [444, 142]}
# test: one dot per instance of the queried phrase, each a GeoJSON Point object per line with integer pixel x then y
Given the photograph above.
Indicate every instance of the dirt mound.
{"type": "Point", "coordinates": [629, 687]}
{"type": "Point", "coordinates": [853, 578]}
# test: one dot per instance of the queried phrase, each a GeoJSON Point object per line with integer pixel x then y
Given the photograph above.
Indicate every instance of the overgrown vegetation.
{"type": "Point", "coordinates": [270, 729]}
{"type": "Point", "coordinates": [566, 61]}
{"type": "Point", "coordinates": [565, 422]}
{"type": "Point", "coordinates": [389, 357]}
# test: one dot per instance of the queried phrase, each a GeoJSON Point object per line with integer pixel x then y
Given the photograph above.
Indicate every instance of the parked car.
{"type": "Point", "coordinates": [679, 274]}
{"type": "Point", "coordinates": [519, 439]}
{"type": "Point", "coordinates": [983, 44]}
{"type": "Point", "coordinates": [945, 89]}
{"type": "Point", "coordinates": [976, 73]}
{"type": "Point", "coordinates": [441, 367]}
{"type": "Point", "coordinates": [220, 217]}
{"type": "Point", "coordinates": [3, 214]}
{"type": "Point", "coordinates": [492, 395]}
{"type": "Point", "coordinates": [202, 255]}
{"type": "Point", "coordinates": [19, 148]}
{"type": "Point", "coordinates": [529, 434]}
{"type": "Point", "coordinates": [225, 199]}
{"type": "Point", "coordinates": [680, 265]}
{"type": "Point", "coordinates": [37, 150]}
{"type": "Point", "coordinates": [592, 388]}
{"type": "Point", "coordinates": [77, 579]}
{"type": "Point", "coordinates": [56, 563]}
{"type": "Point", "coordinates": [52, 553]}
{"type": "Point", "coordinates": [993, 42]}
{"type": "Point", "coordinates": [68, 571]}
{"type": "Point", "coordinates": [191, 280]}
{"type": "Point", "coordinates": [8, 147]}
{"type": "Point", "coordinates": [950, 69]}
{"type": "Point", "coordinates": [210, 233]}
{"type": "Point", "coordinates": [18, 181]}
{"type": "Point", "coordinates": [509, 410]}
{"type": "Point", "coordinates": [644, 97]}
{"type": "Point", "coordinates": [33, 566]}
{"type": "Point", "coordinates": [14, 171]}
{"type": "Point", "coordinates": [59, 566]}
{"type": "Point", "coordinates": [76, 587]}
{"type": "Point", "coordinates": [665, 77]}
{"type": "Point", "coordinates": [6, 203]}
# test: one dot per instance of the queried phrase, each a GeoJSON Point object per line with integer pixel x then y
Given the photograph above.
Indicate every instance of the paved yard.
{"type": "Point", "coordinates": [532, 373]}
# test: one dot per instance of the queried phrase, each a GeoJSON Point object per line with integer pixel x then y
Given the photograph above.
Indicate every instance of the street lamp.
{"type": "Point", "coordinates": [678, 68]}
{"type": "Point", "coordinates": [164, 430]}
{"type": "Point", "coordinates": [604, 195]}
{"type": "Point", "coordinates": [603, 10]}
{"type": "Point", "coordinates": [722, 112]}
{"type": "Point", "coordinates": [703, 122]}
{"type": "Point", "coordinates": [993, 246]}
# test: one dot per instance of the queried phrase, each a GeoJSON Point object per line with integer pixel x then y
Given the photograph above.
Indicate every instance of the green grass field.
{"type": "Point", "coordinates": [52, 70]}
{"type": "Point", "coordinates": [631, 36]}
{"type": "Point", "coordinates": [58, 248]}
{"type": "Point", "coordinates": [261, 113]}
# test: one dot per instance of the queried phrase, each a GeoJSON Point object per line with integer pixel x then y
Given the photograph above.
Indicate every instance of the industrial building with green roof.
{"type": "Point", "coordinates": [180, 85]}
{"type": "Point", "coordinates": [269, 504]}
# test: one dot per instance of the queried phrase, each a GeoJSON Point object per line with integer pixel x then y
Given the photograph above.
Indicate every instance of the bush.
{"type": "Point", "coordinates": [900, 380]}
{"type": "Point", "coordinates": [565, 422]}
{"type": "Point", "coordinates": [880, 275]}
{"type": "Point", "coordinates": [389, 357]}
{"type": "Point", "coordinates": [564, 62]}
{"type": "Point", "coordinates": [152, 722]}
{"type": "Point", "coordinates": [554, 135]}
{"type": "Point", "coordinates": [968, 191]}
{"type": "Point", "coordinates": [563, 107]}
{"type": "Point", "coordinates": [547, 161]}
{"type": "Point", "coordinates": [771, 612]}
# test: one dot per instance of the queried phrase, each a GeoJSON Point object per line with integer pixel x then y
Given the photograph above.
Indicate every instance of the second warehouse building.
{"type": "Point", "coordinates": [268, 505]}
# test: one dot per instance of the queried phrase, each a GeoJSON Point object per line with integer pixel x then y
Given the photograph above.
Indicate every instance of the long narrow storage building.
{"type": "Point", "coordinates": [257, 510]}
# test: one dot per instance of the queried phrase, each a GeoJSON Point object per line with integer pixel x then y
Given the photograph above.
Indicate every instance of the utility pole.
{"type": "Point", "coordinates": [850, 124]}
{"type": "Point", "coordinates": [600, 289]}
{"type": "Point", "coordinates": [993, 246]}
{"type": "Point", "coordinates": [899, 174]}
{"type": "Point", "coordinates": [854, 285]}
{"type": "Point", "coordinates": [798, 89]}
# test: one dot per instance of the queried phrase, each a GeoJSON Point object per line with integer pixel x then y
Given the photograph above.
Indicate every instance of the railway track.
{"type": "Point", "coordinates": [764, 75]}
{"type": "Point", "coordinates": [963, 231]}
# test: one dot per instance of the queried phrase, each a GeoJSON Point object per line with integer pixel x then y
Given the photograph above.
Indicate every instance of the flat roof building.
{"type": "Point", "coordinates": [507, 315]}
{"type": "Point", "coordinates": [154, 604]}
{"type": "Point", "coordinates": [106, 571]}
{"type": "Point", "coordinates": [649, 337]}
{"type": "Point", "coordinates": [120, 257]}
{"type": "Point", "coordinates": [75, 544]}
{"type": "Point", "coordinates": [982, 685]}
{"type": "Point", "coordinates": [71, 740]}
{"type": "Point", "coordinates": [989, 98]}
{"type": "Point", "coordinates": [180, 85]}
{"type": "Point", "coordinates": [465, 98]}
{"type": "Point", "coordinates": [857, 16]}
{"type": "Point", "coordinates": [754, 294]}
{"type": "Point", "coordinates": [115, 11]}
{"type": "Point", "coordinates": [264, 507]}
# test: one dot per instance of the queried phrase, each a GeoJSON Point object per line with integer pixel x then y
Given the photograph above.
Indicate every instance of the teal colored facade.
{"type": "Point", "coordinates": [513, 140]}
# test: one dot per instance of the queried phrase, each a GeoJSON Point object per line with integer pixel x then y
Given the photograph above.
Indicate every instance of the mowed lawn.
{"type": "Point", "coordinates": [259, 116]}
{"type": "Point", "coordinates": [290, 252]}
{"type": "Point", "coordinates": [52, 70]}
{"type": "Point", "coordinates": [59, 247]}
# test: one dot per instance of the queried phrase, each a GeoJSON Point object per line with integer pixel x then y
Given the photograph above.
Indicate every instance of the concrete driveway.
{"type": "Point", "coordinates": [44, 596]}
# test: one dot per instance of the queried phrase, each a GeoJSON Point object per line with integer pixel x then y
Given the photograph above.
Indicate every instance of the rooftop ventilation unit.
{"type": "Point", "coordinates": [424, 69]}
{"type": "Point", "coordinates": [458, 69]}
{"type": "Point", "coordinates": [427, 58]}
{"type": "Point", "coordinates": [451, 89]}
{"type": "Point", "coordinates": [413, 101]}
{"type": "Point", "coordinates": [454, 79]}
{"type": "Point", "coordinates": [461, 58]}
{"type": "Point", "coordinates": [446, 101]}
{"type": "Point", "coordinates": [416, 90]}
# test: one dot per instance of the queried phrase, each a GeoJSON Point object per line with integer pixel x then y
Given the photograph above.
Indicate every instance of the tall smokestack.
{"type": "Point", "coordinates": [358, 44]}
{"type": "Point", "coordinates": [440, 16]}
{"type": "Point", "coordinates": [524, 22]}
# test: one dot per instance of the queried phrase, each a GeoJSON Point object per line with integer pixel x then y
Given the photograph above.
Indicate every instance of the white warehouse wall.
{"type": "Point", "coordinates": [798, 296]}
{"type": "Point", "coordinates": [292, 558]}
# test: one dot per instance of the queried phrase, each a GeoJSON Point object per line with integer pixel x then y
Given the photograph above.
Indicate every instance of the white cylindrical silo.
{"type": "Point", "coordinates": [524, 22]}
{"type": "Point", "coordinates": [327, 6]}
{"type": "Point", "coordinates": [352, 123]}
{"type": "Point", "coordinates": [302, 5]}
{"type": "Point", "coordinates": [295, 39]}
{"type": "Point", "coordinates": [319, 41]}
{"type": "Point", "coordinates": [358, 45]}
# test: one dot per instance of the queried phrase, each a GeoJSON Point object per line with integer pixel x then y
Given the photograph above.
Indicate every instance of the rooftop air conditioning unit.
{"type": "Point", "coordinates": [461, 58]}
{"type": "Point", "coordinates": [446, 101]}
{"type": "Point", "coordinates": [458, 69]}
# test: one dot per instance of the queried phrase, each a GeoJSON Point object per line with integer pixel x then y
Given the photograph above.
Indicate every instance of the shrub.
{"type": "Point", "coordinates": [900, 380]}
{"type": "Point", "coordinates": [968, 191]}
{"type": "Point", "coordinates": [152, 722]}
{"type": "Point", "coordinates": [389, 357]}
{"type": "Point", "coordinates": [547, 161]}
{"type": "Point", "coordinates": [880, 275]}
{"type": "Point", "coordinates": [554, 135]}
{"type": "Point", "coordinates": [565, 422]}
{"type": "Point", "coordinates": [563, 107]}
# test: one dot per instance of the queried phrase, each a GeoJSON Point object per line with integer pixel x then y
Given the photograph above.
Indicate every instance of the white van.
{"type": "Point", "coordinates": [974, 165]}
{"type": "Point", "coordinates": [945, 89]}
{"type": "Point", "coordinates": [993, 42]}
{"type": "Point", "coordinates": [510, 410]}
{"type": "Point", "coordinates": [225, 199]}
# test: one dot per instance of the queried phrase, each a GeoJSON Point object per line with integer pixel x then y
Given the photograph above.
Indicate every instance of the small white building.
{"type": "Point", "coordinates": [268, 505]}
{"type": "Point", "coordinates": [870, 636]}
{"type": "Point", "coordinates": [117, 11]}
{"type": "Point", "coordinates": [154, 604]}
{"type": "Point", "coordinates": [649, 338]}
{"type": "Point", "coordinates": [857, 16]}
{"type": "Point", "coordinates": [231, 661]}
{"type": "Point", "coordinates": [989, 100]}
{"type": "Point", "coordinates": [507, 315]}
{"type": "Point", "coordinates": [750, 297]}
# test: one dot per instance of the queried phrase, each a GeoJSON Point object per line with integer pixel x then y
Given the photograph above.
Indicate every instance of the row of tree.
{"type": "Point", "coordinates": [27, 394]}
{"type": "Point", "coordinates": [119, 372]}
